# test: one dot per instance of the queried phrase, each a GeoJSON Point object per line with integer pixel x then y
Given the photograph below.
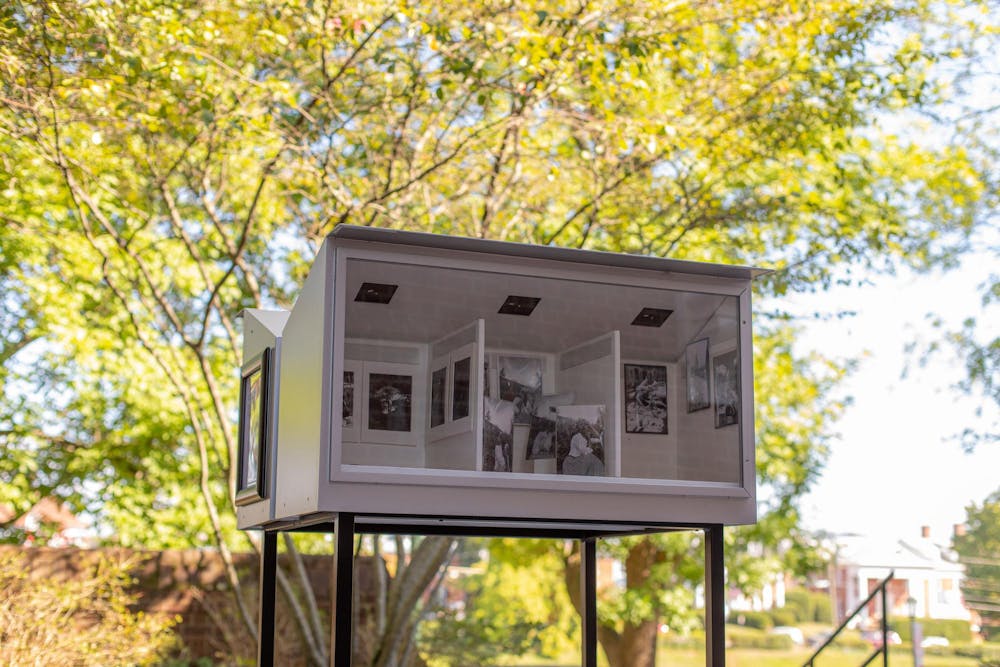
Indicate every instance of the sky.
{"type": "Point", "coordinates": [897, 465]}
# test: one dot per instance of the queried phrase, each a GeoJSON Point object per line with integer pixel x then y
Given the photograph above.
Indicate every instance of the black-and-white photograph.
{"type": "Point", "coordinates": [727, 394]}
{"type": "Point", "coordinates": [645, 399]}
{"type": "Point", "coordinates": [439, 390]}
{"type": "Point", "coordinates": [460, 389]}
{"type": "Point", "coordinates": [390, 399]}
{"type": "Point", "coordinates": [347, 412]}
{"type": "Point", "coordinates": [696, 362]}
{"type": "Point", "coordinates": [521, 384]}
{"type": "Point", "coordinates": [541, 439]}
{"type": "Point", "coordinates": [580, 440]}
{"type": "Point", "coordinates": [252, 386]}
{"type": "Point", "coordinates": [498, 435]}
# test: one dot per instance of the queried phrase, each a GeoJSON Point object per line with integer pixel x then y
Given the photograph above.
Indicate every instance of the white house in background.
{"type": "Point", "coordinates": [925, 569]}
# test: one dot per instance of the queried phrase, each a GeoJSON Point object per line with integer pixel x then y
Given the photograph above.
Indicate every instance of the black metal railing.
{"type": "Point", "coordinates": [882, 650]}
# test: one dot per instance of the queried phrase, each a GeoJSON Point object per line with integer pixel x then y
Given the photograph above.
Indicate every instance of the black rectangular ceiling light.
{"type": "Point", "coordinates": [519, 305]}
{"type": "Point", "coordinates": [375, 293]}
{"type": "Point", "coordinates": [651, 317]}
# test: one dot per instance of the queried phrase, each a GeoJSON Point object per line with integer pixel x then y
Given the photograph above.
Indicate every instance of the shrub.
{"type": "Point", "coordinates": [809, 607]}
{"type": "Point", "coordinates": [784, 616]}
{"type": "Point", "coordinates": [759, 620]}
{"type": "Point", "coordinates": [953, 629]}
{"type": "Point", "coordinates": [738, 637]}
{"type": "Point", "coordinates": [82, 622]}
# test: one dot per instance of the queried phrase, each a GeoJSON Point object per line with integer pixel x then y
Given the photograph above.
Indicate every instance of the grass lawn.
{"type": "Point", "coordinates": [898, 657]}
{"type": "Point", "coordinates": [796, 657]}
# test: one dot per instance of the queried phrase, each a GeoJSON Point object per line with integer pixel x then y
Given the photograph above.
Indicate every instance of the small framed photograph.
{"type": "Point", "coordinates": [520, 380]}
{"type": "Point", "coordinates": [350, 415]}
{"type": "Point", "coordinates": [392, 400]}
{"type": "Point", "coordinates": [645, 399]}
{"type": "Point", "coordinates": [727, 389]}
{"type": "Point", "coordinates": [253, 437]}
{"type": "Point", "coordinates": [580, 440]}
{"type": "Point", "coordinates": [696, 363]}
{"type": "Point", "coordinates": [439, 394]}
{"type": "Point", "coordinates": [461, 389]}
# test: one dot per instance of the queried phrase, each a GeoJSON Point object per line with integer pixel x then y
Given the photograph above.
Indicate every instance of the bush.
{"type": "Point", "coordinates": [83, 622]}
{"type": "Point", "coordinates": [759, 620]}
{"type": "Point", "coordinates": [809, 607]}
{"type": "Point", "coordinates": [956, 631]}
{"type": "Point", "coordinates": [784, 616]}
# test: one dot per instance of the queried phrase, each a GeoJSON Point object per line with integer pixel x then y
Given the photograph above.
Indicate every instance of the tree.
{"type": "Point", "coordinates": [977, 550]}
{"type": "Point", "coordinates": [167, 164]}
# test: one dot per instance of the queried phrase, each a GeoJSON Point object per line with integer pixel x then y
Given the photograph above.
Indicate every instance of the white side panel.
{"type": "Point", "coordinates": [303, 417]}
{"type": "Point", "coordinates": [262, 329]}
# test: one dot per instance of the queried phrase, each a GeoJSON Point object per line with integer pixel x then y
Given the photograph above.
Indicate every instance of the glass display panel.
{"type": "Point", "coordinates": [577, 377]}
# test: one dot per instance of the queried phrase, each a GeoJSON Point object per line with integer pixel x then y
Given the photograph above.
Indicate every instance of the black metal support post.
{"type": "Point", "coordinates": [715, 598]}
{"type": "Point", "coordinates": [343, 589]}
{"type": "Point", "coordinates": [885, 626]}
{"type": "Point", "coordinates": [588, 590]}
{"type": "Point", "coordinates": [265, 618]}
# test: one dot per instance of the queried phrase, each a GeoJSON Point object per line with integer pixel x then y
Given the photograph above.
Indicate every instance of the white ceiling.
{"type": "Point", "coordinates": [432, 302]}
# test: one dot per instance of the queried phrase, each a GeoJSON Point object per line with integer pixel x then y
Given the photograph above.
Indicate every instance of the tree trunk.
{"type": "Point", "coordinates": [635, 644]}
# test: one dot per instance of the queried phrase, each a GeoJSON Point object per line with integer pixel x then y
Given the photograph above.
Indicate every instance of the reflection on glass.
{"type": "Point", "coordinates": [653, 399]}
{"type": "Point", "coordinates": [727, 396]}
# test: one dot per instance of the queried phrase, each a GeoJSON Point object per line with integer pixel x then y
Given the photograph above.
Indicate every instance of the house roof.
{"type": "Point", "coordinates": [920, 553]}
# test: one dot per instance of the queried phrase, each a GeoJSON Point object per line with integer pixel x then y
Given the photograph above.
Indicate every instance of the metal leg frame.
{"type": "Point", "coordinates": [715, 599]}
{"type": "Point", "coordinates": [343, 596]}
{"type": "Point", "coordinates": [588, 589]}
{"type": "Point", "coordinates": [343, 589]}
{"type": "Point", "coordinates": [265, 618]}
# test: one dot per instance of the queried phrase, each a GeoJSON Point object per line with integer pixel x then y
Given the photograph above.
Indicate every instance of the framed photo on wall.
{"type": "Point", "coordinates": [351, 410]}
{"type": "Point", "coordinates": [253, 436]}
{"type": "Point", "coordinates": [696, 363]}
{"type": "Point", "coordinates": [461, 389]}
{"type": "Point", "coordinates": [727, 391]}
{"type": "Point", "coordinates": [439, 394]}
{"type": "Point", "coordinates": [645, 399]}
{"type": "Point", "coordinates": [391, 398]}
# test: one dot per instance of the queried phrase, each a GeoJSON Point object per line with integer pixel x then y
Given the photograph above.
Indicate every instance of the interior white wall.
{"type": "Point", "coordinates": [374, 449]}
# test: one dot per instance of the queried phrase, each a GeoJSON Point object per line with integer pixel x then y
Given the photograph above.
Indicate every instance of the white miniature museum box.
{"type": "Point", "coordinates": [459, 379]}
